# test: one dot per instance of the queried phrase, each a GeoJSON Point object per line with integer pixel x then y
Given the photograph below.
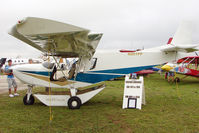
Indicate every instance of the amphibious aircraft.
{"type": "Point", "coordinates": [58, 39]}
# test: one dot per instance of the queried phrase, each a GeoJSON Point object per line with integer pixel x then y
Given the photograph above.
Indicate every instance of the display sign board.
{"type": "Point", "coordinates": [134, 93]}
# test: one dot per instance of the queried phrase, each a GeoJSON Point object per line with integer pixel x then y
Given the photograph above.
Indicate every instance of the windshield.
{"type": "Point", "coordinates": [48, 65]}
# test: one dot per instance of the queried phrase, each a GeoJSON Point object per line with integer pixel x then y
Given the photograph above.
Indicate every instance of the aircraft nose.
{"type": "Point", "coordinates": [166, 68]}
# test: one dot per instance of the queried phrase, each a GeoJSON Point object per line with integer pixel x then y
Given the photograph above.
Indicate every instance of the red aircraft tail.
{"type": "Point", "coordinates": [169, 41]}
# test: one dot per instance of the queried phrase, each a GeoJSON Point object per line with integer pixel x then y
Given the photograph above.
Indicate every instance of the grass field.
{"type": "Point", "coordinates": [166, 111]}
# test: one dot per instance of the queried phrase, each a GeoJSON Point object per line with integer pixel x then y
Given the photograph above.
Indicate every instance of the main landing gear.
{"type": "Point", "coordinates": [74, 102]}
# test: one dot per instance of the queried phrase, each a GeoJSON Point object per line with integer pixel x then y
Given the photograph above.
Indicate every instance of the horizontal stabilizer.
{"type": "Point", "coordinates": [182, 48]}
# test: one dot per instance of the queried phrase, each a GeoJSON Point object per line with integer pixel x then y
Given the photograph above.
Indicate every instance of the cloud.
{"type": "Point", "coordinates": [128, 24]}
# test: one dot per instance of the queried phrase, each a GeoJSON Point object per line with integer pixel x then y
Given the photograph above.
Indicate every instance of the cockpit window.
{"type": "Point", "coordinates": [48, 65]}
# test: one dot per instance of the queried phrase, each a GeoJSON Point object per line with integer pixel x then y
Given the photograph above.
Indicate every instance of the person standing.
{"type": "Point", "coordinates": [10, 79]}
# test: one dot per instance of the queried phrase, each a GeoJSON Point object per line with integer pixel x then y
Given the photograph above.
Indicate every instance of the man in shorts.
{"type": "Point", "coordinates": [10, 79]}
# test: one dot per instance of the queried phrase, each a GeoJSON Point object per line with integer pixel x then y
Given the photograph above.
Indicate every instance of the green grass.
{"type": "Point", "coordinates": [165, 111]}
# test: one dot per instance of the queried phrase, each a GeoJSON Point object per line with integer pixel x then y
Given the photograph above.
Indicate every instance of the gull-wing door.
{"type": "Point", "coordinates": [56, 38]}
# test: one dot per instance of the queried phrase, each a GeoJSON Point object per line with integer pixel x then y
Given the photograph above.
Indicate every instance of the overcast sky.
{"type": "Point", "coordinates": [126, 24]}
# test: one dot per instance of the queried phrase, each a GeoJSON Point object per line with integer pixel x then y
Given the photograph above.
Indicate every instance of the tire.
{"type": "Point", "coordinates": [177, 79]}
{"type": "Point", "coordinates": [74, 103]}
{"type": "Point", "coordinates": [30, 101]}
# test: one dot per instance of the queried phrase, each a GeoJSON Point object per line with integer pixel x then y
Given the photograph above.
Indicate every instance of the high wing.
{"type": "Point", "coordinates": [56, 38]}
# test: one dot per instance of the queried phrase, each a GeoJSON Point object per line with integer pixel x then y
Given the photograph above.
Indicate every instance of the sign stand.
{"type": "Point", "coordinates": [134, 92]}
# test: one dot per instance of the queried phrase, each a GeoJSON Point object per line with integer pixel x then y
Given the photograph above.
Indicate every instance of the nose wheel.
{"type": "Point", "coordinates": [28, 98]}
{"type": "Point", "coordinates": [28, 101]}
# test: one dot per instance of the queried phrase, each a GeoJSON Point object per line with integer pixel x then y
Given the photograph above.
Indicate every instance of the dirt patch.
{"type": "Point", "coordinates": [118, 120]}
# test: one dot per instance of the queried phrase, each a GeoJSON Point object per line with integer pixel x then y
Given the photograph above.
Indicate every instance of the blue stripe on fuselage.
{"type": "Point", "coordinates": [43, 73]}
{"type": "Point", "coordinates": [103, 75]}
{"type": "Point", "coordinates": [94, 78]}
{"type": "Point", "coordinates": [124, 70]}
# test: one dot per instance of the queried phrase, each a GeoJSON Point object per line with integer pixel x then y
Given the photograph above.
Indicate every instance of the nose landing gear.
{"type": "Point", "coordinates": [28, 101]}
{"type": "Point", "coordinates": [28, 98]}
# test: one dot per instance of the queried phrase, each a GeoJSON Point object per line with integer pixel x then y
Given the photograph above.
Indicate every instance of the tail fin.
{"type": "Point", "coordinates": [182, 40]}
{"type": "Point", "coordinates": [170, 40]}
{"type": "Point", "coordinates": [183, 34]}
{"type": "Point", "coordinates": [2, 62]}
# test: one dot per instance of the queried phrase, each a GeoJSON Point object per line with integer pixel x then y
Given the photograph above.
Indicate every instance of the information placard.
{"type": "Point", "coordinates": [134, 93]}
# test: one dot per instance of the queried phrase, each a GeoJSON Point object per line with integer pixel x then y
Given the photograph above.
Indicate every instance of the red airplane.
{"type": "Point", "coordinates": [188, 66]}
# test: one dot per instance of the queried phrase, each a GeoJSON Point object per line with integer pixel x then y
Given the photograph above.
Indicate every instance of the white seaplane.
{"type": "Point", "coordinates": [62, 40]}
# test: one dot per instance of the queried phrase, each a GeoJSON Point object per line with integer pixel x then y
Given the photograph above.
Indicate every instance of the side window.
{"type": "Point", "coordinates": [93, 63]}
